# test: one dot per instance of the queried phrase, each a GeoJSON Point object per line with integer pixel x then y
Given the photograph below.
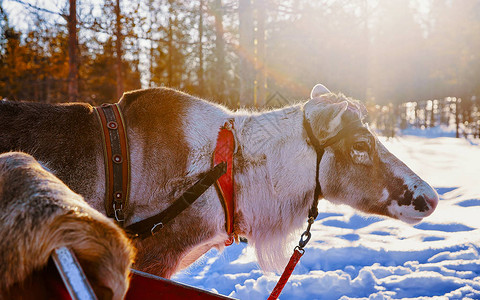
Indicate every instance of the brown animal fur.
{"type": "Point", "coordinates": [66, 138]}
{"type": "Point", "coordinates": [161, 149]}
{"type": "Point", "coordinates": [38, 213]}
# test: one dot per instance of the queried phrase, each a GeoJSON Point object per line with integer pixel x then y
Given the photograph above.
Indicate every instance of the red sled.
{"type": "Point", "coordinates": [68, 281]}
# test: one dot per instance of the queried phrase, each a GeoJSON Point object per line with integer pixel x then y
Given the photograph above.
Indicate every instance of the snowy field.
{"type": "Point", "coordinates": [353, 256]}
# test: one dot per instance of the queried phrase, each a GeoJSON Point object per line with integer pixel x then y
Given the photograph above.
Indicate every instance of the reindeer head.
{"type": "Point", "coordinates": [357, 169]}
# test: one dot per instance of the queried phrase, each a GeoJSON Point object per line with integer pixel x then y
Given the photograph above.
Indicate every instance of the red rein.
{"type": "Point", "coordinates": [297, 254]}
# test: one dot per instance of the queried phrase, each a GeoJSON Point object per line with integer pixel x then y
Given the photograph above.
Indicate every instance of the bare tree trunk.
{"type": "Point", "coordinates": [457, 118]}
{"type": "Point", "coordinates": [170, 44]}
{"type": "Point", "coordinates": [119, 51]}
{"type": "Point", "coordinates": [441, 108]}
{"type": "Point", "coordinates": [261, 56]}
{"type": "Point", "coordinates": [245, 52]}
{"type": "Point", "coordinates": [365, 81]}
{"type": "Point", "coordinates": [416, 115]}
{"type": "Point", "coordinates": [201, 83]}
{"type": "Point", "coordinates": [432, 115]}
{"type": "Point", "coordinates": [424, 108]}
{"type": "Point", "coordinates": [170, 53]}
{"type": "Point", "coordinates": [153, 20]}
{"type": "Point", "coordinates": [48, 85]}
{"type": "Point", "coordinates": [72, 53]}
{"type": "Point", "coordinates": [219, 51]}
{"type": "Point", "coordinates": [150, 81]}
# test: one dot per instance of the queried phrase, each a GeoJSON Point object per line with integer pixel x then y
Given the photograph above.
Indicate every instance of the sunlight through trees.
{"type": "Point", "coordinates": [240, 53]}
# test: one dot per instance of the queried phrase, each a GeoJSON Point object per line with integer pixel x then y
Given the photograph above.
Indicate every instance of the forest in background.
{"type": "Point", "coordinates": [245, 53]}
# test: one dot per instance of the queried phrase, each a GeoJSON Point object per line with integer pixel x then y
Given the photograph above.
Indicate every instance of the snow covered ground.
{"type": "Point", "coordinates": [353, 256]}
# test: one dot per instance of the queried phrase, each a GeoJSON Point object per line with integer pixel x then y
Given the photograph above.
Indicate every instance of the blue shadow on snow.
{"type": "Point", "coordinates": [455, 227]}
{"type": "Point", "coordinates": [444, 190]}
{"type": "Point", "coordinates": [379, 232]}
{"type": "Point", "coordinates": [324, 215]}
{"type": "Point", "coordinates": [350, 237]}
{"type": "Point", "coordinates": [469, 203]}
{"type": "Point", "coordinates": [355, 222]}
{"type": "Point", "coordinates": [432, 238]}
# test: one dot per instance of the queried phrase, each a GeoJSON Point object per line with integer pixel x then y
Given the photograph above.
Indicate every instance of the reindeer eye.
{"type": "Point", "coordinates": [361, 146]}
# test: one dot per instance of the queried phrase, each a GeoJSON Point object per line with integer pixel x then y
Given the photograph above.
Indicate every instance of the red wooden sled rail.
{"type": "Point", "coordinates": [148, 286]}
{"type": "Point", "coordinates": [142, 285]}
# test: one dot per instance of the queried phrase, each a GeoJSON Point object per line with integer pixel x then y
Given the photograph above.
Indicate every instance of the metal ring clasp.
{"type": "Point", "coordinates": [154, 228]}
{"type": "Point", "coordinates": [119, 216]}
{"type": "Point", "coordinates": [304, 239]}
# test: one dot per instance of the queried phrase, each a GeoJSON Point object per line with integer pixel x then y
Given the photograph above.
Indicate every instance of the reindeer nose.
{"type": "Point", "coordinates": [432, 200]}
{"type": "Point", "coordinates": [427, 199]}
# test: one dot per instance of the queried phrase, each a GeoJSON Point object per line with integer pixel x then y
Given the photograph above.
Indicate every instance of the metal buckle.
{"type": "Point", "coordinates": [159, 225]}
{"type": "Point", "coordinates": [119, 216]}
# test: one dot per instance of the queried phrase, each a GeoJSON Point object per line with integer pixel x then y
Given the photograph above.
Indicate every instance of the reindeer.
{"type": "Point", "coordinates": [171, 138]}
{"type": "Point", "coordinates": [38, 214]}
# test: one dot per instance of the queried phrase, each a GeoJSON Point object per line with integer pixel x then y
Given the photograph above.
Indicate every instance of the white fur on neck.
{"type": "Point", "coordinates": [274, 174]}
{"type": "Point", "coordinates": [276, 184]}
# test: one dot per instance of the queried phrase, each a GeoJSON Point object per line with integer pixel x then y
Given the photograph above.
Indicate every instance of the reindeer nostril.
{"type": "Point", "coordinates": [420, 204]}
{"type": "Point", "coordinates": [425, 198]}
{"type": "Point", "coordinates": [432, 202]}
{"type": "Point", "coordinates": [415, 186]}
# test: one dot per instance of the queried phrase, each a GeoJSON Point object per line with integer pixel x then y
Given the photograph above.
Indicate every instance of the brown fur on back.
{"type": "Point", "coordinates": [38, 213]}
{"type": "Point", "coordinates": [65, 137]}
{"type": "Point", "coordinates": [157, 115]}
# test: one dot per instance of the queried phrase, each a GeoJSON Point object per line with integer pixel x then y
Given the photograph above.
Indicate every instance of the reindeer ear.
{"type": "Point", "coordinates": [324, 118]}
{"type": "Point", "coordinates": [319, 90]}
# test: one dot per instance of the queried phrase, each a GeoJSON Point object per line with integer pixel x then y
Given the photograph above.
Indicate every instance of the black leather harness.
{"type": "Point", "coordinates": [117, 173]}
{"type": "Point", "coordinates": [320, 150]}
{"type": "Point", "coordinates": [150, 226]}
{"type": "Point", "coordinates": [117, 177]}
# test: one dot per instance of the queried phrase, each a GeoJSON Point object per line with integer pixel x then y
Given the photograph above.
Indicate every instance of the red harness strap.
{"type": "Point", "coordinates": [225, 184]}
{"type": "Point", "coordinates": [117, 160]}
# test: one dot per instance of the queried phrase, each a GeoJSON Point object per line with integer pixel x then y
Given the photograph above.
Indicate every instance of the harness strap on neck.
{"type": "Point", "coordinates": [150, 226]}
{"type": "Point", "coordinates": [320, 150]}
{"type": "Point", "coordinates": [117, 160]}
{"type": "Point", "coordinates": [313, 212]}
{"type": "Point", "coordinates": [221, 174]}
{"type": "Point", "coordinates": [225, 185]}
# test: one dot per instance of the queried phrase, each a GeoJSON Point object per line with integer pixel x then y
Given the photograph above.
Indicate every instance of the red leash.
{"type": "Point", "coordinates": [297, 254]}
